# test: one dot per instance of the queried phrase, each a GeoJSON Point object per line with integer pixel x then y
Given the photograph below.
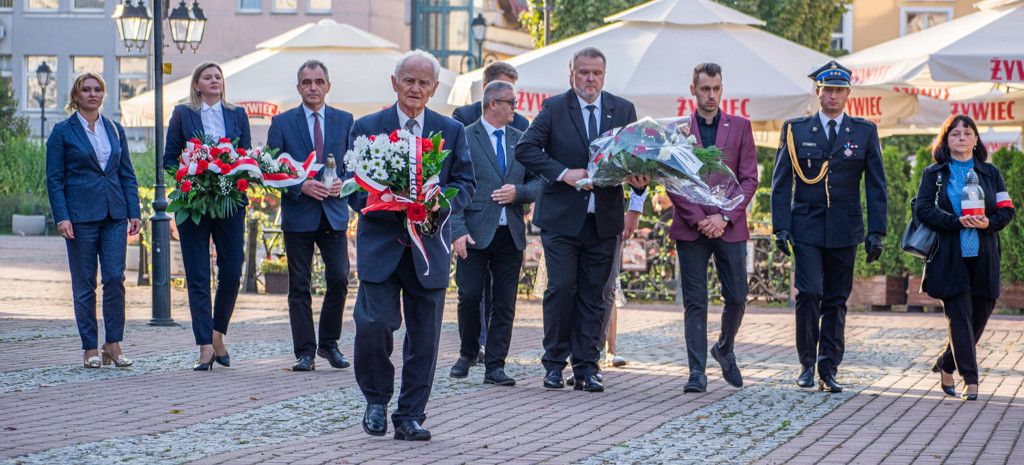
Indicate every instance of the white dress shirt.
{"type": "Point", "coordinates": [502, 220]}
{"type": "Point", "coordinates": [98, 139]}
{"type": "Point", "coordinates": [213, 120]}
{"type": "Point", "coordinates": [403, 118]}
{"type": "Point", "coordinates": [636, 202]}
{"type": "Point", "coordinates": [824, 122]}
{"type": "Point", "coordinates": [310, 120]}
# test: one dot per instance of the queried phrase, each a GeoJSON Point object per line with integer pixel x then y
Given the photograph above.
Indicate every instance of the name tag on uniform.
{"type": "Point", "coordinates": [808, 144]}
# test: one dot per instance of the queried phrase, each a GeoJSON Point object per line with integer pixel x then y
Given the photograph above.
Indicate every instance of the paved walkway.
{"type": "Point", "coordinates": [158, 411]}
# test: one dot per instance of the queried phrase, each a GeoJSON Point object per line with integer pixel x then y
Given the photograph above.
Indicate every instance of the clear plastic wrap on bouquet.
{"type": "Point", "coordinates": [663, 150]}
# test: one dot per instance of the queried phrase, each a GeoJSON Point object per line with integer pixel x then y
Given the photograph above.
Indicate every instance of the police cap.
{"type": "Point", "coordinates": [832, 74]}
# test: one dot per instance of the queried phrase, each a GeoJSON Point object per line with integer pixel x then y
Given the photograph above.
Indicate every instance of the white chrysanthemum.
{"type": "Point", "coordinates": [402, 146]}
{"type": "Point", "coordinates": [665, 154]}
{"type": "Point", "coordinates": [363, 167]}
{"type": "Point", "coordinates": [403, 134]}
{"type": "Point", "coordinates": [254, 175]}
{"type": "Point", "coordinates": [398, 163]}
{"type": "Point", "coordinates": [691, 139]}
{"type": "Point", "coordinates": [380, 175]}
{"type": "Point", "coordinates": [361, 144]}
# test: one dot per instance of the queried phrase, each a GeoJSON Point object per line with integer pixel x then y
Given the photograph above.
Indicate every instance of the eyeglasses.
{"type": "Point", "coordinates": [509, 101]}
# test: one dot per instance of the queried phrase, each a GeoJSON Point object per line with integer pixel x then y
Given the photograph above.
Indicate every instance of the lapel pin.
{"type": "Point", "coordinates": [814, 129]}
{"type": "Point", "coordinates": [847, 130]}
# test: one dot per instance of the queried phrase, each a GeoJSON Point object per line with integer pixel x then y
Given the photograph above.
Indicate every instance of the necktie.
{"type": "Point", "coordinates": [591, 123]}
{"type": "Point", "coordinates": [501, 150]}
{"type": "Point", "coordinates": [410, 126]}
{"type": "Point", "coordinates": [318, 137]}
{"type": "Point", "coordinates": [831, 133]}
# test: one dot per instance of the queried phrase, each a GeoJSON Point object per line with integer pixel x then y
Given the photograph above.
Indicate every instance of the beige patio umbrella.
{"type": "Point", "coordinates": [263, 81]}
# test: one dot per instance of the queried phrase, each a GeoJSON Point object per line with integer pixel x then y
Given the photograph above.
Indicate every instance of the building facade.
{"type": "Point", "coordinates": [871, 22]}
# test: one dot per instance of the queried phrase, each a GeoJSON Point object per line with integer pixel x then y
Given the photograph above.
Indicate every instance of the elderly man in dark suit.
{"type": "Point", "coordinates": [701, 231]}
{"type": "Point", "coordinates": [491, 234]}
{"type": "Point", "coordinates": [467, 115]}
{"type": "Point", "coordinates": [312, 214]}
{"type": "Point", "coordinates": [816, 207]}
{"type": "Point", "coordinates": [580, 224]}
{"type": "Point", "coordinates": [393, 277]}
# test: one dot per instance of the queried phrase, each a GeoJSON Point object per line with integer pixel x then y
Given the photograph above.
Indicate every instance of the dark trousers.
{"type": "Point", "coordinates": [105, 241]}
{"type": "Point", "coordinates": [731, 263]}
{"type": "Point", "coordinates": [578, 269]}
{"type": "Point", "coordinates": [608, 293]}
{"type": "Point", "coordinates": [334, 251]}
{"type": "Point", "coordinates": [967, 316]}
{"type": "Point", "coordinates": [229, 240]}
{"type": "Point", "coordinates": [824, 278]}
{"type": "Point", "coordinates": [502, 261]}
{"type": "Point", "coordinates": [485, 309]}
{"type": "Point", "coordinates": [378, 314]}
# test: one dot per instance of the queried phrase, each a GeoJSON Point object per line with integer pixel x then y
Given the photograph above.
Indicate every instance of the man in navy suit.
{"type": "Point", "coordinates": [312, 213]}
{"type": "Point", "coordinates": [467, 115]}
{"type": "Point", "coordinates": [389, 269]}
{"type": "Point", "coordinates": [580, 224]}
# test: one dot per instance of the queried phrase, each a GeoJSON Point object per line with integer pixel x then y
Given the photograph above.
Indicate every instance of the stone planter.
{"type": "Point", "coordinates": [878, 292]}
{"type": "Point", "coordinates": [919, 301]}
{"type": "Point", "coordinates": [28, 225]}
{"type": "Point", "coordinates": [131, 258]}
{"type": "Point", "coordinates": [275, 282]}
{"type": "Point", "coordinates": [1011, 295]}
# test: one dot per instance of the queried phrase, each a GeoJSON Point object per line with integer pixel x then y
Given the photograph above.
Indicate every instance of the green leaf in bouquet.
{"type": "Point", "coordinates": [349, 186]}
{"type": "Point", "coordinates": [450, 193]}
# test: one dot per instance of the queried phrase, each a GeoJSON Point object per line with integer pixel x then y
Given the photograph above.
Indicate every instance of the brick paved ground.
{"type": "Point", "coordinates": [159, 411]}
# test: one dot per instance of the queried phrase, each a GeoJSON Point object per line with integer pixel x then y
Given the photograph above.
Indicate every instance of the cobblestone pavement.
{"type": "Point", "coordinates": [258, 411]}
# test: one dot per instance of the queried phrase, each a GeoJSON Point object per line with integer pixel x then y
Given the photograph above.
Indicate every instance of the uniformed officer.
{"type": "Point", "coordinates": [816, 207]}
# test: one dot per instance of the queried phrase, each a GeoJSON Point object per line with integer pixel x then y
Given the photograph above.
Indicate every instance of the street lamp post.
{"type": "Point", "coordinates": [134, 24]}
{"type": "Point", "coordinates": [479, 30]}
{"type": "Point", "coordinates": [43, 74]}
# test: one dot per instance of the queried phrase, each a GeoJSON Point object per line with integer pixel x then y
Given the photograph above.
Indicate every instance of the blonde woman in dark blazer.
{"type": "Point", "coordinates": [210, 113]}
{"type": "Point", "coordinates": [94, 197]}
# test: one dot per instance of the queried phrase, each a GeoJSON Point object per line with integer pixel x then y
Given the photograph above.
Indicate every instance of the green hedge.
{"type": "Point", "coordinates": [22, 180]}
{"type": "Point", "coordinates": [1011, 164]}
{"type": "Point", "coordinates": [923, 160]}
{"type": "Point", "coordinates": [893, 260]}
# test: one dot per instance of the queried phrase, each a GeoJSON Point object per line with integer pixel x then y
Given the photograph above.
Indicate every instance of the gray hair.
{"type": "Point", "coordinates": [493, 91]}
{"type": "Point", "coordinates": [422, 54]}
{"type": "Point", "coordinates": [587, 52]}
{"type": "Point", "coordinates": [312, 64]}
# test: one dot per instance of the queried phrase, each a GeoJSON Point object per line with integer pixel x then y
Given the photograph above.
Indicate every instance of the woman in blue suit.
{"type": "Point", "coordinates": [95, 201]}
{"type": "Point", "coordinates": [208, 112]}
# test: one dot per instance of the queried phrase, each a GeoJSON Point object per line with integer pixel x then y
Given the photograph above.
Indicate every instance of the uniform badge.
{"type": "Point", "coordinates": [848, 152]}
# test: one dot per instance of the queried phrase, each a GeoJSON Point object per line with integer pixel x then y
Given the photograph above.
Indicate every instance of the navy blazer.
{"type": "Point", "coordinates": [80, 190]}
{"type": "Point", "coordinates": [289, 132]}
{"type": "Point", "coordinates": [469, 114]}
{"type": "Point", "coordinates": [557, 140]}
{"type": "Point", "coordinates": [381, 236]}
{"type": "Point", "coordinates": [185, 122]}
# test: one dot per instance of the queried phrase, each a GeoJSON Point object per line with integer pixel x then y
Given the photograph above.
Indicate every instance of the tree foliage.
{"type": "Point", "coordinates": [897, 179]}
{"type": "Point", "coordinates": [1010, 162]}
{"type": "Point", "coordinates": [12, 126]}
{"type": "Point", "coordinates": [806, 22]}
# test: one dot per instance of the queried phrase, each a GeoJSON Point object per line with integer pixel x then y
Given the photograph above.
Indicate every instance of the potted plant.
{"type": "Point", "coordinates": [28, 221]}
{"type": "Point", "coordinates": [275, 275]}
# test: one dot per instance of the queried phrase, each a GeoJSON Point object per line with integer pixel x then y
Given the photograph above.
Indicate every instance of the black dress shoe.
{"type": "Point", "coordinates": [828, 384]}
{"type": "Point", "coordinates": [697, 382]}
{"type": "Point", "coordinates": [497, 376]}
{"type": "Point", "coordinates": [553, 380]}
{"type": "Point", "coordinates": [965, 396]}
{"type": "Point", "coordinates": [806, 378]}
{"type": "Point", "coordinates": [222, 359]}
{"type": "Point", "coordinates": [730, 372]}
{"type": "Point", "coordinates": [461, 368]}
{"type": "Point", "coordinates": [571, 380]}
{"type": "Point", "coordinates": [304, 363]}
{"type": "Point", "coordinates": [334, 357]}
{"type": "Point", "coordinates": [410, 430]}
{"type": "Point", "coordinates": [589, 384]}
{"type": "Point", "coordinates": [375, 420]}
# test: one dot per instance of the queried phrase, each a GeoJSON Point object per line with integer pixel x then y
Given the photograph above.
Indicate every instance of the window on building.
{"type": "Point", "coordinates": [131, 77]}
{"type": "Point", "coordinates": [6, 70]}
{"type": "Point", "coordinates": [842, 36]}
{"type": "Point", "coordinates": [250, 6]}
{"type": "Point", "coordinates": [444, 32]}
{"type": "Point", "coordinates": [33, 91]}
{"type": "Point", "coordinates": [918, 19]}
{"type": "Point", "coordinates": [285, 6]}
{"type": "Point", "coordinates": [43, 4]}
{"type": "Point", "coordinates": [89, 4]}
{"type": "Point", "coordinates": [318, 6]}
{"type": "Point", "coordinates": [81, 65]}
{"type": "Point", "coordinates": [6, 4]}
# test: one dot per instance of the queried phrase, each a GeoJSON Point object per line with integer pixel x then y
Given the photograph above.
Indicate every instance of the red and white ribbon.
{"type": "Point", "coordinates": [193, 153]}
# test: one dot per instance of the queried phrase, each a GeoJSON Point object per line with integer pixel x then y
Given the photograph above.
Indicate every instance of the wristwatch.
{"type": "Point", "coordinates": [726, 218]}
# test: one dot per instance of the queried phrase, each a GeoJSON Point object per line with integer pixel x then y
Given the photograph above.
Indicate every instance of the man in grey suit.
{"type": "Point", "coordinates": [491, 234]}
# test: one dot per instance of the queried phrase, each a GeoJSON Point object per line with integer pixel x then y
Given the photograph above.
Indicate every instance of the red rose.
{"type": "Point", "coordinates": [416, 212]}
{"type": "Point", "coordinates": [427, 145]}
{"type": "Point", "coordinates": [242, 185]}
{"type": "Point", "coordinates": [640, 150]}
{"type": "Point", "coordinates": [372, 138]}
{"type": "Point", "coordinates": [186, 186]}
{"type": "Point", "coordinates": [180, 175]}
{"type": "Point", "coordinates": [394, 136]}
{"type": "Point", "coordinates": [224, 140]}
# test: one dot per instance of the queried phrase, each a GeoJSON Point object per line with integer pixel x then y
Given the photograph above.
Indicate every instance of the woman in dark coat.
{"type": "Point", "coordinates": [964, 269]}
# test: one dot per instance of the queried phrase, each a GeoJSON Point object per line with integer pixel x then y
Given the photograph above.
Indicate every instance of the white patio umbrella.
{"type": "Point", "coordinates": [651, 52]}
{"type": "Point", "coordinates": [360, 66]}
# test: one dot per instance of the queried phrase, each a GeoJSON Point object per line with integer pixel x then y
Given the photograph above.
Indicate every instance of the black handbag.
{"type": "Point", "coordinates": [919, 239]}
